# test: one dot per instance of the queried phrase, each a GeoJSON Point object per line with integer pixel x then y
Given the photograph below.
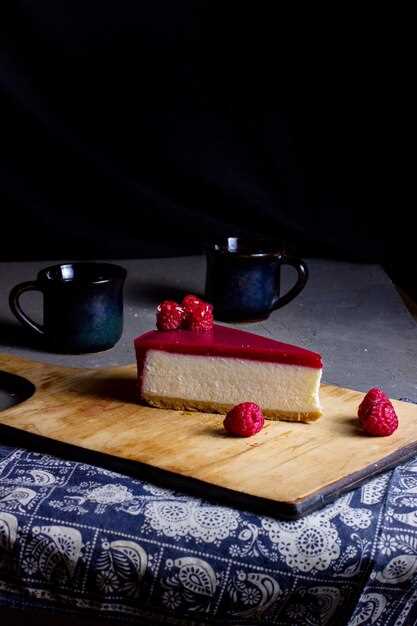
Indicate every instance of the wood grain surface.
{"type": "Point", "coordinates": [291, 468]}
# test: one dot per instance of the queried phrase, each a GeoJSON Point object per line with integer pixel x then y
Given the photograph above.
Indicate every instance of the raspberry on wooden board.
{"type": "Point", "coordinates": [380, 420]}
{"type": "Point", "coordinates": [374, 395]}
{"type": "Point", "coordinates": [376, 414]}
{"type": "Point", "coordinates": [244, 420]}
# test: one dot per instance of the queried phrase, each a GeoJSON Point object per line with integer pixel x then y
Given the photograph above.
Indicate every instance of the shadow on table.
{"type": "Point", "coordinates": [13, 335]}
{"type": "Point", "coordinates": [117, 389]}
{"type": "Point", "coordinates": [154, 293]}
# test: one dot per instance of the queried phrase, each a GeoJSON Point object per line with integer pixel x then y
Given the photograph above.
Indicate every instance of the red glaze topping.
{"type": "Point", "coordinates": [226, 342]}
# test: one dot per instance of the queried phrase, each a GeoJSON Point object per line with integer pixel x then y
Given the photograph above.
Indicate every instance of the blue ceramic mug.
{"type": "Point", "coordinates": [244, 279]}
{"type": "Point", "coordinates": [82, 304]}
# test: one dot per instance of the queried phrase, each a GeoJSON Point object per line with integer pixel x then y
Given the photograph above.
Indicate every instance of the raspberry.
{"type": "Point", "coordinates": [199, 316]}
{"type": "Point", "coordinates": [193, 314]}
{"type": "Point", "coordinates": [373, 396]}
{"type": "Point", "coordinates": [169, 315]}
{"type": "Point", "coordinates": [244, 420]}
{"type": "Point", "coordinates": [380, 419]}
{"type": "Point", "coordinates": [190, 301]}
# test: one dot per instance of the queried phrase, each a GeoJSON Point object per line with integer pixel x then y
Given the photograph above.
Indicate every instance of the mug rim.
{"type": "Point", "coordinates": [115, 271]}
{"type": "Point", "coordinates": [221, 247]}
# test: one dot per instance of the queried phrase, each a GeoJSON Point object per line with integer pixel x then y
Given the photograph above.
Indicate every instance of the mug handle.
{"type": "Point", "coordinates": [302, 271]}
{"type": "Point", "coordinates": [14, 303]}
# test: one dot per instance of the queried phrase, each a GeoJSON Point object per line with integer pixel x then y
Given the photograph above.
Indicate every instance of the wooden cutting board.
{"type": "Point", "coordinates": [287, 469]}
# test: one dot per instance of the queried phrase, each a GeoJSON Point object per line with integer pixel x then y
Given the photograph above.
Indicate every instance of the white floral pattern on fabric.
{"type": "Point", "coordinates": [356, 518]}
{"type": "Point", "coordinates": [121, 567]}
{"type": "Point", "coordinates": [8, 531]}
{"type": "Point", "coordinates": [86, 538]}
{"type": "Point", "coordinates": [398, 570]}
{"type": "Point", "coordinates": [35, 477]}
{"type": "Point", "coordinates": [369, 610]}
{"type": "Point", "coordinates": [305, 545]}
{"type": "Point", "coordinates": [102, 496]}
{"type": "Point", "coordinates": [52, 551]}
{"type": "Point", "coordinates": [373, 491]}
{"type": "Point", "coordinates": [158, 491]}
{"type": "Point", "coordinates": [177, 519]}
{"type": "Point", "coordinates": [171, 599]}
{"type": "Point", "coordinates": [257, 592]}
{"type": "Point", "coordinates": [387, 544]}
{"type": "Point", "coordinates": [16, 498]}
{"type": "Point", "coordinates": [191, 583]}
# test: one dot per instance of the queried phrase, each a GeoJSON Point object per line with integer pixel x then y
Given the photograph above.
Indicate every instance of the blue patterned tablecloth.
{"type": "Point", "coordinates": [76, 537]}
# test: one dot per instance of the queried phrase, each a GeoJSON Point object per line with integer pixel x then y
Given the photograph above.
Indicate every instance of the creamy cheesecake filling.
{"type": "Point", "coordinates": [222, 381]}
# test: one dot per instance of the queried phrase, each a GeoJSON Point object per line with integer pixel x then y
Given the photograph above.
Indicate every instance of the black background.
{"type": "Point", "coordinates": [136, 129]}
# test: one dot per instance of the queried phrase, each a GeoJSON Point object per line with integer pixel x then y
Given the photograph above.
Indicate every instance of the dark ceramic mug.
{"type": "Point", "coordinates": [82, 304]}
{"type": "Point", "coordinates": [244, 277]}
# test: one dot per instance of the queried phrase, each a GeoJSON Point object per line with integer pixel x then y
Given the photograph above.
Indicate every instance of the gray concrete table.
{"type": "Point", "coordinates": [352, 314]}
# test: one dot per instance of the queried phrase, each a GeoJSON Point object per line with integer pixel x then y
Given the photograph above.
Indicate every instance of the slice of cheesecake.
{"type": "Point", "coordinates": [213, 371]}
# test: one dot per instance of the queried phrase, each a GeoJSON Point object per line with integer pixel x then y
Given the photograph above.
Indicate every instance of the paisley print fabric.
{"type": "Point", "coordinates": [75, 537]}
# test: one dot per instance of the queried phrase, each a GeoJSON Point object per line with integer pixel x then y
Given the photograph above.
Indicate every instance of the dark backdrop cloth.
{"type": "Point", "coordinates": [139, 129]}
